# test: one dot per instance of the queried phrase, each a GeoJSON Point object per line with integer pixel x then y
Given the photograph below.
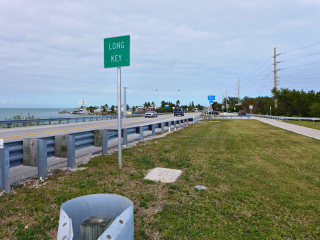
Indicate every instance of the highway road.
{"type": "Point", "coordinates": [18, 134]}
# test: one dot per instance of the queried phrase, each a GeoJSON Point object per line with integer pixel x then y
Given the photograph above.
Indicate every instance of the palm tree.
{"type": "Point", "coordinates": [177, 103]}
{"type": "Point", "coordinates": [107, 107]}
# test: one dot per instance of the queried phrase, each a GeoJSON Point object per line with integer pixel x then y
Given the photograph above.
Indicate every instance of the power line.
{"type": "Point", "coordinates": [259, 67]}
{"type": "Point", "coordinates": [299, 66]}
{"type": "Point", "coordinates": [300, 57]}
{"type": "Point", "coordinates": [258, 74]}
{"type": "Point", "coordinates": [302, 75]}
{"type": "Point", "coordinates": [300, 48]}
{"type": "Point", "coordinates": [260, 79]}
{"type": "Point", "coordinates": [302, 78]}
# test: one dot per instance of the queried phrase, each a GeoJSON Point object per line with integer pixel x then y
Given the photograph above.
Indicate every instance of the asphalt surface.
{"type": "Point", "coordinates": [18, 134]}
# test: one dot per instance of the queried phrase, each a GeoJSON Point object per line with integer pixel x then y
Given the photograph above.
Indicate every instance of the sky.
{"type": "Point", "coordinates": [51, 52]}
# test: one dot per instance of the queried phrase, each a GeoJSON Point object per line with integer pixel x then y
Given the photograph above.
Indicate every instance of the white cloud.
{"type": "Point", "coordinates": [55, 48]}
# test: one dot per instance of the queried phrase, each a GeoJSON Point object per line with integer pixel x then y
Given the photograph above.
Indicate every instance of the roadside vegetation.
{"type": "Point", "coordinates": [308, 124]}
{"type": "Point", "coordinates": [165, 107]}
{"type": "Point", "coordinates": [19, 117]}
{"type": "Point", "coordinates": [290, 103]}
{"type": "Point", "coordinates": [262, 183]}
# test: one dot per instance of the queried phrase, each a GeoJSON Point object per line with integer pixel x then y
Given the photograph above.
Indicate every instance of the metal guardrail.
{"type": "Point", "coordinates": [12, 154]}
{"type": "Point", "coordinates": [287, 118]}
{"type": "Point", "coordinates": [82, 140]}
{"type": "Point", "coordinates": [50, 121]}
{"type": "Point", "coordinates": [42, 121]}
{"type": "Point", "coordinates": [248, 116]}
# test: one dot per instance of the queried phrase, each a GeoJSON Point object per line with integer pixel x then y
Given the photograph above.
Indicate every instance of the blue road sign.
{"type": "Point", "coordinates": [211, 101]}
{"type": "Point", "coordinates": [211, 97]}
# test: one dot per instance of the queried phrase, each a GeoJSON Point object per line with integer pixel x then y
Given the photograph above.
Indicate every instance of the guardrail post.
{"type": "Point", "coordinates": [71, 151]}
{"type": "Point", "coordinates": [184, 122]}
{"type": "Point", "coordinates": [30, 152]}
{"type": "Point", "coordinates": [105, 141]}
{"type": "Point", "coordinates": [141, 133]}
{"type": "Point", "coordinates": [179, 123]}
{"type": "Point", "coordinates": [153, 128]}
{"type": "Point", "coordinates": [162, 127]}
{"type": "Point", "coordinates": [175, 124]}
{"type": "Point", "coordinates": [193, 121]}
{"type": "Point", "coordinates": [97, 138]}
{"type": "Point", "coordinates": [169, 125]}
{"type": "Point", "coordinates": [60, 146]}
{"type": "Point", "coordinates": [42, 159]}
{"type": "Point", "coordinates": [124, 137]}
{"type": "Point", "coordinates": [4, 168]}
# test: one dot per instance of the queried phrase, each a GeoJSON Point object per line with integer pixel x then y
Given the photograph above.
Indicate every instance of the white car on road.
{"type": "Point", "coordinates": [151, 114]}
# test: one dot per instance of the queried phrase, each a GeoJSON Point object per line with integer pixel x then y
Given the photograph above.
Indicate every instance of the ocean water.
{"type": "Point", "coordinates": [8, 113]}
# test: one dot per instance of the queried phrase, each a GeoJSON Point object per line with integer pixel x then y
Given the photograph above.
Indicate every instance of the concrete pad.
{"type": "Point", "coordinates": [165, 175]}
{"type": "Point", "coordinates": [201, 187]}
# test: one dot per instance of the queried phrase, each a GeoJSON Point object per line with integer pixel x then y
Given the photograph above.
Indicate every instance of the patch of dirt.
{"type": "Point", "coordinates": [223, 188]}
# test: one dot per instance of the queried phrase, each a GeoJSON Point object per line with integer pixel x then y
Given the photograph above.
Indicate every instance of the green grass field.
{"type": "Point", "coordinates": [308, 124]}
{"type": "Point", "coordinates": [262, 183]}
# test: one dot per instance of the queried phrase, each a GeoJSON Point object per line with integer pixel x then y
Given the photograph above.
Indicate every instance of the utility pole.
{"type": "Point", "coordinates": [275, 73]}
{"type": "Point", "coordinates": [124, 102]}
{"type": "Point", "coordinates": [238, 91]}
{"type": "Point", "coordinates": [226, 100]}
{"type": "Point", "coordinates": [275, 68]}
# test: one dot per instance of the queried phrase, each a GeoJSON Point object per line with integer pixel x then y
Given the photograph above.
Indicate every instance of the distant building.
{"type": "Point", "coordinates": [140, 109]}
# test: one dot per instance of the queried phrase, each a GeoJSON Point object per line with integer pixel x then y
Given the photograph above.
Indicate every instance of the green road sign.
{"type": "Point", "coordinates": [117, 52]}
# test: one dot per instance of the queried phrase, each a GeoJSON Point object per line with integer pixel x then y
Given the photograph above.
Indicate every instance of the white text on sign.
{"type": "Point", "coordinates": [113, 46]}
{"type": "Point", "coordinates": [117, 45]}
{"type": "Point", "coordinates": [116, 58]}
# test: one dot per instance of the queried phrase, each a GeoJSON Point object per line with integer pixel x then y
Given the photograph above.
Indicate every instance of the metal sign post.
{"type": "Point", "coordinates": [117, 54]}
{"type": "Point", "coordinates": [250, 107]}
{"type": "Point", "coordinates": [119, 118]}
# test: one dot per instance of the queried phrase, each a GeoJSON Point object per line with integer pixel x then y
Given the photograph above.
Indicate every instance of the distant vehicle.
{"type": "Point", "coordinates": [178, 111]}
{"type": "Point", "coordinates": [213, 112]}
{"type": "Point", "coordinates": [242, 113]}
{"type": "Point", "coordinates": [196, 109]}
{"type": "Point", "coordinates": [134, 112]}
{"type": "Point", "coordinates": [151, 114]}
